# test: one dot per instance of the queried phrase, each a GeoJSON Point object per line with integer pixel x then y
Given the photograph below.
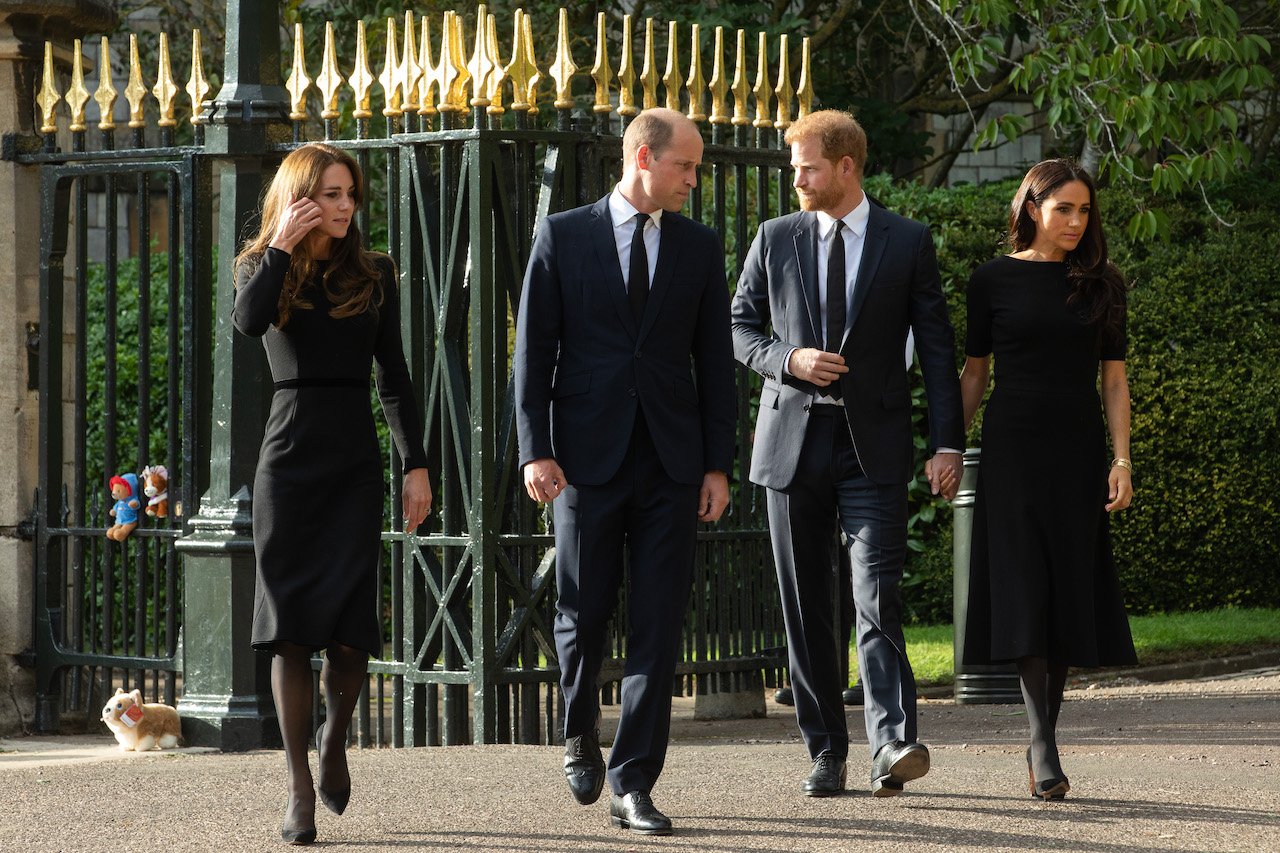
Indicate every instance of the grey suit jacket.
{"type": "Point", "coordinates": [897, 288]}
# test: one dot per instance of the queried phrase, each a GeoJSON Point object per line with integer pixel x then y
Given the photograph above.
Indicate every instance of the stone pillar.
{"type": "Point", "coordinates": [24, 27]}
{"type": "Point", "coordinates": [226, 699]}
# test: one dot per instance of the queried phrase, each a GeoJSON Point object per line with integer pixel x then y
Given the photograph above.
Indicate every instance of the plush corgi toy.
{"type": "Point", "coordinates": [155, 485]}
{"type": "Point", "coordinates": [139, 726]}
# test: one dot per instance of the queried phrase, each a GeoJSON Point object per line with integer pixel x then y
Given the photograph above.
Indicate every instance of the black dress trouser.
{"type": "Point", "coordinates": [654, 518]}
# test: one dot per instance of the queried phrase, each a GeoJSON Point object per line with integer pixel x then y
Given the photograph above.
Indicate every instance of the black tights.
{"type": "Point", "coordinates": [343, 674]}
{"type": "Point", "coordinates": [1043, 682]}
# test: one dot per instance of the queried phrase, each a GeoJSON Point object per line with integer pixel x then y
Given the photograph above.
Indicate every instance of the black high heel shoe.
{"type": "Point", "coordinates": [334, 801]}
{"type": "Point", "coordinates": [1049, 789]}
{"type": "Point", "coordinates": [298, 836]}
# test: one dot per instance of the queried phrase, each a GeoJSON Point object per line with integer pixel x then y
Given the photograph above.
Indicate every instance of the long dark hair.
{"type": "Point", "coordinates": [351, 281]}
{"type": "Point", "coordinates": [1097, 287]}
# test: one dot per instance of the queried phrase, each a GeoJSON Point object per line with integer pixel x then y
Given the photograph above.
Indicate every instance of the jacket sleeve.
{"type": "Point", "coordinates": [713, 363]}
{"type": "Point", "coordinates": [391, 374]}
{"type": "Point", "coordinates": [762, 352]}
{"type": "Point", "coordinates": [258, 287]}
{"type": "Point", "coordinates": [537, 346]}
{"type": "Point", "coordinates": [936, 347]}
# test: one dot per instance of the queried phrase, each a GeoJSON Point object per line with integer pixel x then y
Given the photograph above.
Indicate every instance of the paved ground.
{"type": "Point", "coordinates": [1186, 765]}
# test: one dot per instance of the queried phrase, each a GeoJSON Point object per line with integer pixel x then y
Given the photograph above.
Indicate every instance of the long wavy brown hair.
{"type": "Point", "coordinates": [1097, 286]}
{"type": "Point", "coordinates": [351, 281]}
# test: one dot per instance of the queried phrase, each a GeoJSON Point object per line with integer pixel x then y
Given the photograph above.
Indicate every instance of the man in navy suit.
{"type": "Point", "coordinates": [625, 412]}
{"type": "Point", "coordinates": [822, 311]}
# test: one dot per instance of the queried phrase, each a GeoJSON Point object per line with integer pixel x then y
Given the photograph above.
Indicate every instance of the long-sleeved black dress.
{"type": "Point", "coordinates": [1042, 580]}
{"type": "Point", "coordinates": [318, 490]}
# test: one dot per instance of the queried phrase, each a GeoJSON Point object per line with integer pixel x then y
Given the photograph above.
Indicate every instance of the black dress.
{"type": "Point", "coordinates": [318, 491]}
{"type": "Point", "coordinates": [1042, 581]}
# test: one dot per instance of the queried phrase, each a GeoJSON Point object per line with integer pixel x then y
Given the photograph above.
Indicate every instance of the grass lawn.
{"type": "Point", "coordinates": [1160, 638]}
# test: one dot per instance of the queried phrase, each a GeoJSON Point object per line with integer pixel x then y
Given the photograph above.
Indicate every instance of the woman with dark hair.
{"type": "Point", "coordinates": [1043, 586]}
{"type": "Point", "coordinates": [327, 311]}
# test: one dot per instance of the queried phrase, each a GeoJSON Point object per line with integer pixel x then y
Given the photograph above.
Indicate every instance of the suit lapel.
{"type": "Point", "coordinates": [664, 273]}
{"type": "Point", "coordinates": [607, 254]}
{"type": "Point", "coordinates": [806, 240]}
{"type": "Point", "coordinates": [873, 245]}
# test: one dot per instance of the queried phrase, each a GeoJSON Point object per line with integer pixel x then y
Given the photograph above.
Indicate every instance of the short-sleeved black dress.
{"type": "Point", "coordinates": [1042, 580]}
{"type": "Point", "coordinates": [318, 490]}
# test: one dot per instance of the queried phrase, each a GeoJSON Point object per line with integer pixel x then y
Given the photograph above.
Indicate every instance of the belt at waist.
{"type": "Point", "coordinates": [826, 410]}
{"type": "Point", "coordinates": [322, 383]}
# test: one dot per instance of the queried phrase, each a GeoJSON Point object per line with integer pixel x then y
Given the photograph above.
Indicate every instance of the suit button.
{"type": "Point", "coordinates": [631, 392]}
{"type": "Point", "coordinates": [806, 407]}
{"type": "Point", "coordinates": [637, 353]}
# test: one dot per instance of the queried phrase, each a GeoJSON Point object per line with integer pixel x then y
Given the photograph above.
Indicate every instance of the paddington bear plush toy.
{"type": "Point", "coordinates": [124, 488]}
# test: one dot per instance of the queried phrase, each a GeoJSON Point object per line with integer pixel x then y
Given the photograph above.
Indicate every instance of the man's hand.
{"type": "Point", "coordinates": [415, 498]}
{"type": "Point", "coordinates": [714, 496]}
{"type": "Point", "coordinates": [943, 470]}
{"type": "Point", "coordinates": [816, 366]}
{"type": "Point", "coordinates": [543, 480]}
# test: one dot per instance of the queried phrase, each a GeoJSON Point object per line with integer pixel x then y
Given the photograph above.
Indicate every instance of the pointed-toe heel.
{"type": "Point", "coordinates": [298, 837]}
{"type": "Point", "coordinates": [334, 801]}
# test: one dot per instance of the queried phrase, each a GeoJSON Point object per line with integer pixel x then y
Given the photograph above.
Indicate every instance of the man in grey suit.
{"type": "Point", "coordinates": [822, 311]}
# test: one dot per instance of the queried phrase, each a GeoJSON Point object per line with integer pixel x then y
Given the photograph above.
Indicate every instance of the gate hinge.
{"type": "Point", "coordinates": [14, 145]}
{"type": "Point", "coordinates": [26, 529]}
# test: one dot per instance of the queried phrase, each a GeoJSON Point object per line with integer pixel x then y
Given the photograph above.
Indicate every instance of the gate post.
{"type": "Point", "coordinates": [226, 699]}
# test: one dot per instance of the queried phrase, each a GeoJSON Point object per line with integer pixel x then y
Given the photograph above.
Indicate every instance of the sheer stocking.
{"type": "Point", "coordinates": [343, 675]}
{"type": "Point", "coordinates": [291, 688]}
{"type": "Point", "coordinates": [1042, 685]}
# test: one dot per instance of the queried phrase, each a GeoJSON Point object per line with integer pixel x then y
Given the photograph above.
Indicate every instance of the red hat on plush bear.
{"type": "Point", "coordinates": [118, 480]}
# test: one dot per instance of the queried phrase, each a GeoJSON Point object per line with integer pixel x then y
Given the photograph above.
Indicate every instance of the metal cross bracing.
{"type": "Point", "coordinates": [461, 184]}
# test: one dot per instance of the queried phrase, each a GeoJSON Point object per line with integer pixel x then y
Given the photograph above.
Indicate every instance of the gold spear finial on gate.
{"type": "Point", "coordinates": [480, 63]}
{"type": "Point", "coordinates": [197, 87]}
{"type": "Point", "coordinates": [361, 79]}
{"type": "Point", "coordinates": [48, 97]}
{"type": "Point", "coordinates": [626, 73]}
{"type": "Point", "coordinates": [672, 79]}
{"type": "Point", "coordinates": [563, 69]}
{"type": "Point", "coordinates": [390, 76]}
{"type": "Point", "coordinates": [330, 78]}
{"type": "Point", "coordinates": [298, 82]}
{"type": "Point", "coordinates": [522, 69]}
{"type": "Point", "coordinates": [649, 71]}
{"type": "Point", "coordinates": [739, 87]}
{"type": "Point", "coordinates": [805, 91]}
{"type": "Point", "coordinates": [137, 89]}
{"type": "Point", "coordinates": [410, 70]}
{"type": "Point", "coordinates": [696, 84]}
{"type": "Point", "coordinates": [601, 73]}
{"type": "Point", "coordinates": [77, 95]}
{"type": "Point", "coordinates": [455, 92]}
{"type": "Point", "coordinates": [762, 89]}
{"type": "Point", "coordinates": [165, 90]}
{"type": "Point", "coordinates": [719, 82]}
{"type": "Point", "coordinates": [497, 74]}
{"type": "Point", "coordinates": [783, 90]}
{"type": "Point", "coordinates": [428, 85]}
{"type": "Point", "coordinates": [106, 93]}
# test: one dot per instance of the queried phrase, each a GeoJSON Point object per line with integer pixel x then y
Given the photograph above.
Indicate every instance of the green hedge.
{"type": "Point", "coordinates": [1204, 369]}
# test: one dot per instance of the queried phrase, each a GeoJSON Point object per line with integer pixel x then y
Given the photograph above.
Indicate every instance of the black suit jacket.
{"type": "Point", "coordinates": [897, 288]}
{"type": "Point", "coordinates": [582, 365]}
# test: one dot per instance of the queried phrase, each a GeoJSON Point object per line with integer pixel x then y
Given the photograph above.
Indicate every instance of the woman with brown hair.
{"type": "Point", "coordinates": [1043, 586]}
{"type": "Point", "coordinates": [327, 311]}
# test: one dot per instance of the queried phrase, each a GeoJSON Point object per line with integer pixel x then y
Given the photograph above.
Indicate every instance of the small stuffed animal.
{"type": "Point", "coordinates": [139, 726]}
{"type": "Point", "coordinates": [155, 485]}
{"type": "Point", "coordinates": [124, 488]}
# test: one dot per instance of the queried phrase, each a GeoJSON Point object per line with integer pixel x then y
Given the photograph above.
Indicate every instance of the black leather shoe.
{"type": "Point", "coordinates": [826, 779]}
{"type": "Point", "coordinates": [636, 812]}
{"type": "Point", "coordinates": [784, 696]}
{"type": "Point", "coordinates": [853, 695]}
{"type": "Point", "coordinates": [895, 764]}
{"type": "Point", "coordinates": [584, 766]}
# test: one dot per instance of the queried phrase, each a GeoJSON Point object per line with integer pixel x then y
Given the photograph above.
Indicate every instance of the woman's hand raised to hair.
{"type": "Point", "coordinates": [295, 223]}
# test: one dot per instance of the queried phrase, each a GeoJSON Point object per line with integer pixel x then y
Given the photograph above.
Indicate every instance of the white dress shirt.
{"type": "Point", "coordinates": [854, 234]}
{"type": "Point", "coordinates": [623, 214]}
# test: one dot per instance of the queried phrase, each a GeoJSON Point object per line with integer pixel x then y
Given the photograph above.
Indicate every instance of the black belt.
{"type": "Point", "coordinates": [826, 410]}
{"type": "Point", "coordinates": [322, 383]}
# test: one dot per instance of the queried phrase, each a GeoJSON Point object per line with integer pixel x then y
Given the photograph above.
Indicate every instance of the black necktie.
{"type": "Point", "coordinates": [835, 300]}
{"type": "Point", "coordinates": [638, 274]}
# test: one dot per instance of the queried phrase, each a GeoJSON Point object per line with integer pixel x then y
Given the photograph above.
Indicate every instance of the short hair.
{"type": "Point", "coordinates": [840, 133]}
{"type": "Point", "coordinates": [654, 127]}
